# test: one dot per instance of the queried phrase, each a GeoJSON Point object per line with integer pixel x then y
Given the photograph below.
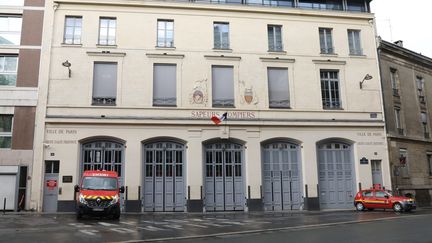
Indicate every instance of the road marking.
{"type": "Point", "coordinates": [91, 232]}
{"type": "Point", "coordinates": [123, 230]}
{"type": "Point", "coordinates": [270, 230]}
{"type": "Point", "coordinates": [150, 228]}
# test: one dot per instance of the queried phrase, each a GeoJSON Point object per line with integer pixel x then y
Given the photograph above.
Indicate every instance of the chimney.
{"type": "Point", "coordinates": [399, 43]}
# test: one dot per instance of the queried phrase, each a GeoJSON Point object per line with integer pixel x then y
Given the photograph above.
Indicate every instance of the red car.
{"type": "Point", "coordinates": [380, 198]}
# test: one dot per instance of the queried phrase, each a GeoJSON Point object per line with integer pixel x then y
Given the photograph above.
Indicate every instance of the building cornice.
{"type": "Point", "coordinates": [405, 54]}
{"type": "Point", "coordinates": [223, 7]}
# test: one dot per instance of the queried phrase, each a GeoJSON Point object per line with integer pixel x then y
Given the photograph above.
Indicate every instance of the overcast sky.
{"type": "Point", "coordinates": [410, 21]}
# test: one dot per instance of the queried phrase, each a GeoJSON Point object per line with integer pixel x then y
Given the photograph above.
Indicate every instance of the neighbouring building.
{"type": "Point", "coordinates": [131, 86]}
{"type": "Point", "coordinates": [20, 49]}
{"type": "Point", "coordinates": [407, 91]}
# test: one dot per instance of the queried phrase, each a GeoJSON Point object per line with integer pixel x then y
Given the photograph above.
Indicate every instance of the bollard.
{"type": "Point", "coordinates": [4, 206]}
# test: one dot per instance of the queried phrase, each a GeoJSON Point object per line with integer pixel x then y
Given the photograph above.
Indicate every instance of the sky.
{"type": "Point", "coordinates": [406, 20]}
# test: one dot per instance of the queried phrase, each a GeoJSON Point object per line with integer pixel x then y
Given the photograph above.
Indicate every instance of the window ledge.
{"type": "Point", "coordinates": [222, 50]}
{"type": "Point", "coordinates": [281, 108]}
{"type": "Point", "coordinates": [161, 105]}
{"type": "Point", "coordinates": [71, 45]}
{"type": "Point", "coordinates": [357, 56]}
{"type": "Point", "coordinates": [329, 54]}
{"type": "Point", "coordinates": [276, 52]}
{"type": "Point", "coordinates": [164, 48]}
{"type": "Point", "coordinates": [106, 46]}
{"type": "Point", "coordinates": [333, 109]}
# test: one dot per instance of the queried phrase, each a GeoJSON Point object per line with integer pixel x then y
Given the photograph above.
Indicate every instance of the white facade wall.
{"type": "Point", "coordinates": [69, 117]}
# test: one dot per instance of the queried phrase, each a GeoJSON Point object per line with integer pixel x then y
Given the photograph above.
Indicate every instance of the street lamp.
{"type": "Point", "coordinates": [68, 65]}
{"type": "Point", "coordinates": [367, 77]}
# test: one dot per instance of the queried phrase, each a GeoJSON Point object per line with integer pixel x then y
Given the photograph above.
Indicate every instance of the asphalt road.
{"type": "Point", "coordinates": [335, 226]}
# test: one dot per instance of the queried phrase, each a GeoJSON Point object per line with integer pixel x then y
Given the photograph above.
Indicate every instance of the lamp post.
{"type": "Point", "coordinates": [367, 77]}
{"type": "Point", "coordinates": [68, 65]}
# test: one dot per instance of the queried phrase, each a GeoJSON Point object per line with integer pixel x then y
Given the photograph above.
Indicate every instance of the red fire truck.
{"type": "Point", "coordinates": [98, 194]}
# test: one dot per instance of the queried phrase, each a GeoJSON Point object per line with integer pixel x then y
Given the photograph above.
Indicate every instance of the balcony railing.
{"type": "Point", "coordinates": [108, 101]}
{"type": "Point", "coordinates": [352, 6]}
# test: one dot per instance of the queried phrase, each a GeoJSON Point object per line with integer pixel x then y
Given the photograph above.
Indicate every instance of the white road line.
{"type": "Point", "coordinates": [269, 230]}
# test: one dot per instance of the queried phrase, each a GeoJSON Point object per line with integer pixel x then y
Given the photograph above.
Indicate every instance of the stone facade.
{"type": "Point", "coordinates": [407, 87]}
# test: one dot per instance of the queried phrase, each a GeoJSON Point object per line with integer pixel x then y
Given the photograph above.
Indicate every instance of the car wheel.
{"type": "Point", "coordinates": [397, 207]}
{"type": "Point", "coordinates": [360, 206]}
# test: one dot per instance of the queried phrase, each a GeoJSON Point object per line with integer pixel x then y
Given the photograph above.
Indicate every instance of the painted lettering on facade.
{"type": "Point", "coordinates": [242, 115]}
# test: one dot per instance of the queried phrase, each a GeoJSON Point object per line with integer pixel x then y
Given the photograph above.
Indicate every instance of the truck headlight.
{"type": "Point", "coordinates": [82, 199]}
{"type": "Point", "coordinates": [115, 200]}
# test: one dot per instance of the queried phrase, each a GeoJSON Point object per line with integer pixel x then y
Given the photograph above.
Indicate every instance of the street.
{"type": "Point", "coordinates": [324, 226]}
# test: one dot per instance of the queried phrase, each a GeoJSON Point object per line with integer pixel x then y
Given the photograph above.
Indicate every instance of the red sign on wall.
{"type": "Point", "coordinates": [51, 184]}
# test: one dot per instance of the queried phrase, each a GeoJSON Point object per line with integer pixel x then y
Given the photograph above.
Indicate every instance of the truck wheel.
{"type": "Point", "coordinates": [397, 207]}
{"type": "Point", "coordinates": [116, 214]}
{"type": "Point", "coordinates": [360, 206]}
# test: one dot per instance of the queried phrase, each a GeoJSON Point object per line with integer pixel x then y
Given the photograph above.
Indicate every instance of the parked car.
{"type": "Point", "coordinates": [380, 198]}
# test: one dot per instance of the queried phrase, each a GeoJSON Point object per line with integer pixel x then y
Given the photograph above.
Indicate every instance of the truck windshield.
{"type": "Point", "coordinates": [99, 183]}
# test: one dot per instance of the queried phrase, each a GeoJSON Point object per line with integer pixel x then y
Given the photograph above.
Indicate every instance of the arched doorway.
{"type": "Point", "coordinates": [224, 176]}
{"type": "Point", "coordinates": [336, 175]}
{"type": "Point", "coordinates": [104, 154]}
{"type": "Point", "coordinates": [164, 177]}
{"type": "Point", "coordinates": [282, 186]}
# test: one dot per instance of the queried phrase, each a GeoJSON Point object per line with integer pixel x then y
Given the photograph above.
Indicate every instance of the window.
{"type": "Point", "coordinates": [221, 35]}
{"type": "Point", "coordinates": [403, 162]}
{"type": "Point", "coordinates": [429, 160]}
{"type": "Point", "coordinates": [398, 121]}
{"type": "Point", "coordinates": [321, 4]}
{"type": "Point", "coordinates": [326, 41]}
{"type": "Point", "coordinates": [275, 37]}
{"type": "Point", "coordinates": [330, 90]}
{"type": "Point", "coordinates": [165, 33]}
{"type": "Point", "coordinates": [8, 70]}
{"type": "Point", "coordinates": [164, 85]}
{"type": "Point", "coordinates": [105, 83]}
{"type": "Point", "coordinates": [107, 31]}
{"type": "Point", "coordinates": [380, 194]}
{"type": "Point", "coordinates": [10, 30]}
{"type": "Point", "coordinates": [356, 5]}
{"type": "Point", "coordinates": [72, 33]}
{"type": "Point", "coordinates": [367, 194]}
{"type": "Point", "coordinates": [278, 87]}
{"type": "Point", "coordinates": [354, 42]}
{"type": "Point", "coordinates": [420, 88]}
{"type": "Point", "coordinates": [424, 120]}
{"type": "Point", "coordinates": [5, 131]}
{"type": "Point", "coordinates": [394, 81]}
{"type": "Point", "coordinates": [223, 86]}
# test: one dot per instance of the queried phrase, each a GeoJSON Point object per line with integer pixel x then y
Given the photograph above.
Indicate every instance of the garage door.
{"type": "Point", "coordinates": [8, 190]}
{"type": "Point", "coordinates": [164, 184]}
{"type": "Point", "coordinates": [336, 176]}
{"type": "Point", "coordinates": [281, 177]}
{"type": "Point", "coordinates": [224, 185]}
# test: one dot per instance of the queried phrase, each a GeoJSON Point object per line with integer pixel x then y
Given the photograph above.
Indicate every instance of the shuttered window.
{"type": "Point", "coordinates": [164, 85]}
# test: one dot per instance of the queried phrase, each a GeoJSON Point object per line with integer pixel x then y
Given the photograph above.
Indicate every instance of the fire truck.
{"type": "Point", "coordinates": [98, 194]}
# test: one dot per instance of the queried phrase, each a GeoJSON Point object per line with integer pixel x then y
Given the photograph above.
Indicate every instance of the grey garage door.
{"type": "Point", "coordinates": [336, 176]}
{"type": "Point", "coordinates": [104, 155]}
{"type": "Point", "coordinates": [8, 191]}
{"type": "Point", "coordinates": [281, 177]}
{"type": "Point", "coordinates": [164, 184]}
{"type": "Point", "coordinates": [224, 182]}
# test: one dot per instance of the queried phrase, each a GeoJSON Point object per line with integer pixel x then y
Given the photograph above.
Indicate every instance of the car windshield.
{"type": "Point", "coordinates": [390, 193]}
{"type": "Point", "coordinates": [99, 183]}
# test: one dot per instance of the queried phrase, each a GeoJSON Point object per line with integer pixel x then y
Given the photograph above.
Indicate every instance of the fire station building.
{"type": "Point", "coordinates": [131, 86]}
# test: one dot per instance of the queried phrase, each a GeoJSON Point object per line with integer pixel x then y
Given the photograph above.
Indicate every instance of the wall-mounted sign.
{"type": "Point", "coordinates": [67, 179]}
{"type": "Point", "coordinates": [364, 161]}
